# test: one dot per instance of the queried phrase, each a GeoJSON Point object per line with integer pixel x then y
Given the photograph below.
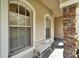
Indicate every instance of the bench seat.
{"type": "Point", "coordinates": [41, 46]}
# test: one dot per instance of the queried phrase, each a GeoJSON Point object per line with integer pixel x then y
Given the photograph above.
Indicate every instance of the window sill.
{"type": "Point", "coordinates": [48, 40]}
{"type": "Point", "coordinates": [19, 55]}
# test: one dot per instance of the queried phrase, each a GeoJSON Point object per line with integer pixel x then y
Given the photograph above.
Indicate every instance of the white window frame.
{"type": "Point", "coordinates": [47, 40]}
{"type": "Point", "coordinates": [30, 26]}
{"type": "Point", "coordinates": [4, 32]}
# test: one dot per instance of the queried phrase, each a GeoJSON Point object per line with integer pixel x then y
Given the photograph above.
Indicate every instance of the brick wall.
{"type": "Point", "coordinates": [69, 31]}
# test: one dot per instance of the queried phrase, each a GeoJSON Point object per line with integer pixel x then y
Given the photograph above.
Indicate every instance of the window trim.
{"type": "Point", "coordinates": [27, 47]}
{"type": "Point", "coordinates": [47, 40]}
{"type": "Point", "coordinates": [33, 31]}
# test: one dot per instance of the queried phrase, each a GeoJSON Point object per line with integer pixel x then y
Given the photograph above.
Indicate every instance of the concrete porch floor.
{"type": "Point", "coordinates": [57, 50]}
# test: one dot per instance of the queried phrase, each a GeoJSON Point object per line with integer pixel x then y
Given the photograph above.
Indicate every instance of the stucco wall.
{"type": "Point", "coordinates": [41, 10]}
{"type": "Point", "coordinates": [58, 22]}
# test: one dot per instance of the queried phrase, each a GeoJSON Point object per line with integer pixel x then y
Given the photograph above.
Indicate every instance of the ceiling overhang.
{"type": "Point", "coordinates": [54, 6]}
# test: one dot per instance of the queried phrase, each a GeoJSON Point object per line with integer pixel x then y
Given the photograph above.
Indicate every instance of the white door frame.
{"type": "Point", "coordinates": [4, 28]}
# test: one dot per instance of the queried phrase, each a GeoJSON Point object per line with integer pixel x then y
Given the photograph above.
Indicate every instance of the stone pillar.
{"type": "Point", "coordinates": [69, 31]}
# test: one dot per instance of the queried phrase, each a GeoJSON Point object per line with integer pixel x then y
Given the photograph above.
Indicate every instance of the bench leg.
{"type": "Point", "coordinates": [38, 54]}
{"type": "Point", "coordinates": [50, 49]}
{"type": "Point", "coordinates": [41, 55]}
{"type": "Point", "coordinates": [35, 52]}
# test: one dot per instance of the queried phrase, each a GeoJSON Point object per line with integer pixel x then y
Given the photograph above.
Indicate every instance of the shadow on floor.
{"type": "Point", "coordinates": [54, 46]}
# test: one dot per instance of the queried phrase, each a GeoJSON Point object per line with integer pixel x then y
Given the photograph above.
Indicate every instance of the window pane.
{"type": "Point", "coordinates": [24, 37]}
{"type": "Point", "coordinates": [14, 8]}
{"type": "Point", "coordinates": [48, 23]}
{"type": "Point", "coordinates": [22, 20]}
{"type": "Point", "coordinates": [21, 37]}
{"type": "Point", "coordinates": [28, 36]}
{"type": "Point", "coordinates": [21, 10]}
{"type": "Point", "coordinates": [13, 39]}
{"type": "Point", "coordinates": [48, 28]}
{"type": "Point", "coordinates": [27, 21]}
{"type": "Point", "coordinates": [48, 33]}
{"type": "Point", "coordinates": [27, 13]}
{"type": "Point", "coordinates": [13, 17]}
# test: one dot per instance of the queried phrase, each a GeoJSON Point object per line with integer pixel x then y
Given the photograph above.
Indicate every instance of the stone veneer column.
{"type": "Point", "coordinates": [69, 31]}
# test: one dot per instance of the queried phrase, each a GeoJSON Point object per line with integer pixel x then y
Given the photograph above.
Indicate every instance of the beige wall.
{"type": "Point", "coordinates": [41, 11]}
{"type": "Point", "coordinates": [58, 22]}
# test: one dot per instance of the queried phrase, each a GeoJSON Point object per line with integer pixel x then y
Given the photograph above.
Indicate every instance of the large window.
{"type": "Point", "coordinates": [48, 27]}
{"type": "Point", "coordinates": [20, 25]}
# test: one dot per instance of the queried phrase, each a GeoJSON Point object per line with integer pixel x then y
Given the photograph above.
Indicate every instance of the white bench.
{"type": "Point", "coordinates": [41, 46]}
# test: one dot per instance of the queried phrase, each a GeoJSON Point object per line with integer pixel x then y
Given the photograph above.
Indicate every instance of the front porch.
{"type": "Point", "coordinates": [57, 50]}
{"type": "Point", "coordinates": [38, 29]}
